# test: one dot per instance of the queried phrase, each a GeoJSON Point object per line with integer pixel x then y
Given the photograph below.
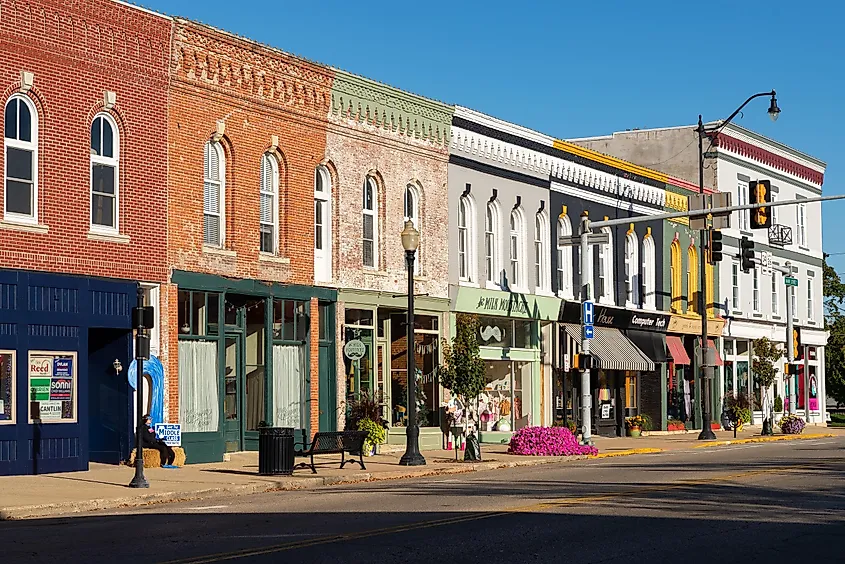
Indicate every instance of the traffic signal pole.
{"type": "Point", "coordinates": [586, 283]}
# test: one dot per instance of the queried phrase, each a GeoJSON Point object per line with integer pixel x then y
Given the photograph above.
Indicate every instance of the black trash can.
{"type": "Point", "coordinates": [275, 451]}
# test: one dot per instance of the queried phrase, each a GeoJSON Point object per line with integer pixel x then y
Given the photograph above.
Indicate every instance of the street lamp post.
{"type": "Point", "coordinates": [705, 398]}
{"type": "Point", "coordinates": [412, 456]}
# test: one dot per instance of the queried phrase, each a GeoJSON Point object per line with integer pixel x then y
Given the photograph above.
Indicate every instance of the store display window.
{"type": "Point", "coordinates": [504, 405]}
{"type": "Point", "coordinates": [52, 386]}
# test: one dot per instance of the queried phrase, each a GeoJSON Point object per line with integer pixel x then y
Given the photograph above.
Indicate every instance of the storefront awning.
{"type": "Point", "coordinates": [649, 342]}
{"type": "Point", "coordinates": [676, 350]}
{"type": "Point", "coordinates": [712, 345]}
{"type": "Point", "coordinates": [613, 350]}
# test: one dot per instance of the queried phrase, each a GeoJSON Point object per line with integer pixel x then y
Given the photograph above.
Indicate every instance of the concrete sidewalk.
{"type": "Point", "coordinates": [104, 486]}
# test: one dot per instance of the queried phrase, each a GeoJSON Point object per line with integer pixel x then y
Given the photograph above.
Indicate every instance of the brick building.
{"type": "Point", "coordinates": [386, 162]}
{"type": "Point", "coordinates": [247, 134]}
{"type": "Point", "coordinates": [84, 91]}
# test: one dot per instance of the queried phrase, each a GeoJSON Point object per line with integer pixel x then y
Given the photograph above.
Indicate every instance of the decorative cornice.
{"type": "Point", "coordinates": [206, 56]}
{"type": "Point", "coordinates": [677, 202]}
{"type": "Point", "coordinates": [614, 162]}
{"type": "Point", "coordinates": [366, 101]}
{"type": "Point", "coordinates": [743, 134]}
{"type": "Point", "coordinates": [503, 126]}
{"type": "Point", "coordinates": [759, 154]}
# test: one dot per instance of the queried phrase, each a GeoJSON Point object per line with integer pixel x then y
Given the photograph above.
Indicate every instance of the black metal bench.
{"type": "Point", "coordinates": [339, 442]}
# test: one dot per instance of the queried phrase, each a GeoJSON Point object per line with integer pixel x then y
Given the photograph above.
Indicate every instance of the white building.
{"type": "Point", "coordinates": [753, 303]}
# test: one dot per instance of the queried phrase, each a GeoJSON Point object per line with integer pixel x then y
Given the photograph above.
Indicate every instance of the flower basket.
{"type": "Point", "coordinates": [635, 431]}
{"type": "Point", "coordinates": [791, 425]}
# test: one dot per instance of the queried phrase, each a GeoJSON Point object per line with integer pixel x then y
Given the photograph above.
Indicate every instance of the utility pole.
{"type": "Point", "coordinates": [586, 283]}
{"type": "Point", "coordinates": [790, 352]}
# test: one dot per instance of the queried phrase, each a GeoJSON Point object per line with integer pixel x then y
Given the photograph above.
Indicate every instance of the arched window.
{"type": "Point", "coordinates": [692, 279]}
{"type": "Point", "coordinates": [105, 195]}
{"type": "Point", "coordinates": [269, 193]}
{"type": "Point", "coordinates": [542, 279]}
{"type": "Point", "coordinates": [412, 213]}
{"type": "Point", "coordinates": [605, 285]}
{"type": "Point", "coordinates": [322, 225]}
{"type": "Point", "coordinates": [466, 240]}
{"type": "Point", "coordinates": [369, 212]}
{"type": "Point", "coordinates": [214, 190]}
{"type": "Point", "coordinates": [709, 296]}
{"type": "Point", "coordinates": [649, 272]}
{"type": "Point", "coordinates": [632, 269]}
{"type": "Point", "coordinates": [516, 276]}
{"type": "Point", "coordinates": [675, 281]}
{"type": "Point", "coordinates": [491, 244]}
{"type": "Point", "coordinates": [564, 259]}
{"type": "Point", "coordinates": [21, 162]}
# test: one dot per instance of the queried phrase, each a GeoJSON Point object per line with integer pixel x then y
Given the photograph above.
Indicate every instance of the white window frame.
{"type": "Point", "coordinates": [515, 243]}
{"type": "Point", "coordinates": [466, 237]}
{"type": "Point", "coordinates": [114, 163]}
{"type": "Point", "coordinates": [801, 221]}
{"type": "Point", "coordinates": [323, 255]}
{"type": "Point", "coordinates": [271, 191]}
{"type": "Point", "coordinates": [605, 254]}
{"type": "Point", "coordinates": [744, 215]}
{"type": "Point", "coordinates": [492, 234]}
{"type": "Point", "coordinates": [755, 290]}
{"type": "Point", "coordinates": [543, 282]}
{"type": "Point", "coordinates": [565, 281]}
{"type": "Point", "coordinates": [632, 270]}
{"type": "Point", "coordinates": [775, 294]}
{"type": "Point", "coordinates": [649, 274]}
{"type": "Point", "coordinates": [412, 212]}
{"type": "Point", "coordinates": [810, 313]}
{"type": "Point", "coordinates": [32, 147]}
{"type": "Point", "coordinates": [736, 296]}
{"type": "Point", "coordinates": [371, 185]}
{"type": "Point", "coordinates": [795, 316]}
{"type": "Point", "coordinates": [774, 210]}
{"type": "Point", "coordinates": [221, 192]}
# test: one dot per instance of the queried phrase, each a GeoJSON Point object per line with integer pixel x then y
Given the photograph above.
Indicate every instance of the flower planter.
{"type": "Point", "coordinates": [634, 431]}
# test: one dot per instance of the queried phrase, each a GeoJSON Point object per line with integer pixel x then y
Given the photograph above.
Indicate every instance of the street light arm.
{"type": "Point", "coordinates": [739, 109]}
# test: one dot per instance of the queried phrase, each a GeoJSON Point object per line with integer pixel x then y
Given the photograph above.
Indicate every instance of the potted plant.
{"type": "Point", "coordinates": [737, 410]}
{"type": "Point", "coordinates": [791, 425]}
{"type": "Point", "coordinates": [376, 434]}
{"type": "Point", "coordinates": [635, 425]}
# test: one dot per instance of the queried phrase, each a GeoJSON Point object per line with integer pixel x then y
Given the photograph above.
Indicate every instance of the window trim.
{"type": "Point", "coordinates": [274, 193]}
{"type": "Point", "coordinates": [810, 305]}
{"type": "Point", "coordinates": [676, 289]}
{"type": "Point", "coordinates": [468, 205]}
{"type": "Point", "coordinates": [755, 290]}
{"type": "Point", "coordinates": [605, 255]}
{"type": "Point", "coordinates": [493, 278]}
{"type": "Point", "coordinates": [649, 298]}
{"type": "Point", "coordinates": [371, 184]}
{"type": "Point", "coordinates": [221, 164]}
{"type": "Point", "coordinates": [801, 220]}
{"type": "Point", "coordinates": [541, 259]}
{"type": "Point", "coordinates": [565, 276]}
{"type": "Point", "coordinates": [113, 162]}
{"type": "Point", "coordinates": [775, 295]}
{"type": "Point", "coordinates": [323, 257]}
{"type": "Point", "coordinates": [736, 296]}
{"type": "Point", "coordinates": [632, 270]}
{"type": "Point", "coordinates": [693, 279]}
{"type": "Point", "coordinates": [31, 146]}
{"type": "Point", "coordinates": [516, 242]}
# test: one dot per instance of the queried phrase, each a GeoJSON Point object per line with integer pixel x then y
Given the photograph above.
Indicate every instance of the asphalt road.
{"type": "Point", "coordinates": [726, 504]}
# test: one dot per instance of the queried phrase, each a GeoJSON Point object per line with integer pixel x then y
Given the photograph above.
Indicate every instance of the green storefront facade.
{"type": "Point", "coordinates": [247, 359]}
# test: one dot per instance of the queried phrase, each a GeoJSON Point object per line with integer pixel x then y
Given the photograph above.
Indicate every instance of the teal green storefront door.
{"type": "Point", "coordinates": [233, 398]}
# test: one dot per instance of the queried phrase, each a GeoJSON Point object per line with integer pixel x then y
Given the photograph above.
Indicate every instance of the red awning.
{"type": "Point", "coordinates": [711, 344]}
{"type": "Point", "coordinates": [676, 350]}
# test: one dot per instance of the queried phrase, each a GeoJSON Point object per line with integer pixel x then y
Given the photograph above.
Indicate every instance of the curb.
{"type": "Point", "coordinates": [773, 439]}
{"type": "Point", "coordinates": [68, 508]}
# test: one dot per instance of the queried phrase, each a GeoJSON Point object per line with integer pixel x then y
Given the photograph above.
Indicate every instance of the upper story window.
{"type": "Point", "coordinates": [412, 213]}
{"type": "Point", "coordinates": [369, 220]}
{"type": "Point", "coordinates": [801, 221]}
{"type": "Point", "coordinates": [649, 274]}
{"type": "Point", "coordinates": [542, 279]}
{"type": "Point", "coordinates": [214, 165]}
{"type": "Point", "coordinates": [692, 280]}
{"type": "Point", "coordinates": [810, 315]}
{"type": "Point", "coordinates": [564, 259]}
{"type": "Point", "coordinates": [632, 269]}
{"type": "Point", "coordinates": [269, 194]}
{"type": "Point", "coordinates": [742, 190]}
{"type": "Point", "coordinates": [466, 240]}
{"type": "Point", "coordinates": [21, 162]}
{"type": "Point", "coordinates": [491, 244]}
{"type": "Point", "coordinates": [516, 243]}
{"type": "Point", "coordinates": [322, 225]}
{"type": "Point", "coordinates": [105, 148]}
{"type": "Point", "coordinates": [735, 286]}
{"type": "Point", "coordinates": [755, 287]}
{"type": "Point", "coordinates": [775, 300]}
{"type": "Point", "coordinates": [675, 277]}
{"type": "Point", "coordinates": [605, 265]}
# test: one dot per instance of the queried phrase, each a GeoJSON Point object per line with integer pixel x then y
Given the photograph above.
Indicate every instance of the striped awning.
{"type": "Point", "coordinates": [612, 348]}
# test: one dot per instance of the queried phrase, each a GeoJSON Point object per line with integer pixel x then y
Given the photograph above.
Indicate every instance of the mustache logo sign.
{"type": "Point", "coordinates": [490, 331]}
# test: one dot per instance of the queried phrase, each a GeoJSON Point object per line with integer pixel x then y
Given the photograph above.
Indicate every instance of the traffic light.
{"type": "Point", "coordinates": [582, 361]}
{"type": "Point", "coordinates": [714, 247]}
{"type": "Point", "coordinates": [746, 254]}
{"type": "Point", "coordinates": [761, 193]}
{"type": "Point", "coordinates": [797, 349]}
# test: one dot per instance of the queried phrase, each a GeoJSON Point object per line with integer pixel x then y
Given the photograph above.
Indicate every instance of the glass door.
{"type": "Point", "coordinates": [233, 399]}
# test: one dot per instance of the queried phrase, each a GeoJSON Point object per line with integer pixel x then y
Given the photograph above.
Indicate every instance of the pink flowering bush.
{"type": "Point", "coordinates": [547, 441]}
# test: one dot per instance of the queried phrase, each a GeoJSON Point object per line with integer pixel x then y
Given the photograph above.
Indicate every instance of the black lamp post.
{"type": "Point", "coordinates": [412, 456]}
{"type": "Point", "coordinates": [142, 319]}
{"type": "Point", "coordinates": [706, 369]}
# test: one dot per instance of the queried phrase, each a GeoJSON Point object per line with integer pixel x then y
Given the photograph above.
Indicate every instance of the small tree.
{"type": "Point", "coordinates": [463, 369]}
{"type": "Point", "coordinates": [766, 354]}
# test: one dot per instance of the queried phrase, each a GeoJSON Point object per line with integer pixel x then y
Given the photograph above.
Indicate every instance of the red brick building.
{"type": "Point", "coordinates": [247, 132]}
{"type": "Point", "coordinates": [84, 92]}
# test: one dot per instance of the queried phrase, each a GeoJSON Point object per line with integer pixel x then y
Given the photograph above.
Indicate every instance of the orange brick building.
{"type": "Point", "coordinates": [245, 327]}
{"type": "Point", "coordinates": [84, 92]}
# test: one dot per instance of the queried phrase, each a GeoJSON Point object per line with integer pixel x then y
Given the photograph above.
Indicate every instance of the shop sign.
{"type": "Point", "coordinates": [355, 349]}
{"type": "Point", "coordinates": [505, 304]}
{"type": "Point", "coordinates": [50, 410]}
{"type": "Point", "coordinates": [616, 317]}
{"type": "Point", "coordinates": [814, 394]}
{"type": "Point", "coordinates": [170, 433]}
{"type": "Point", "coordinates": [692, 326]}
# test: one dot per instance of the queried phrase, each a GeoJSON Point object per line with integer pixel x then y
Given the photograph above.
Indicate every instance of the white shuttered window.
{"type": "Point", "coordinates": [213, 195]}
{"type": "Point", "coordinates": [269, 203]}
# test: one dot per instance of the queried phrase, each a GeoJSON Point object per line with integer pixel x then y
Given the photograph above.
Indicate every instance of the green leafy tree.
{"type": "Point", "coordinates": [463, 369]}
{"type": "Point", "coordinates": [834, 323]}
{"type": "Point", "coordinates": [766, 354]}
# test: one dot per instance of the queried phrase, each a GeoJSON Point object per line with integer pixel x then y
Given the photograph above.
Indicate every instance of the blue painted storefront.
{"type": "Point", "coordinates": [81, 316]}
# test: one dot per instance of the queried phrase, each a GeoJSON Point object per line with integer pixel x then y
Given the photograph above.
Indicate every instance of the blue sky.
{"type": "Point", "coordinates": [574, 69]}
